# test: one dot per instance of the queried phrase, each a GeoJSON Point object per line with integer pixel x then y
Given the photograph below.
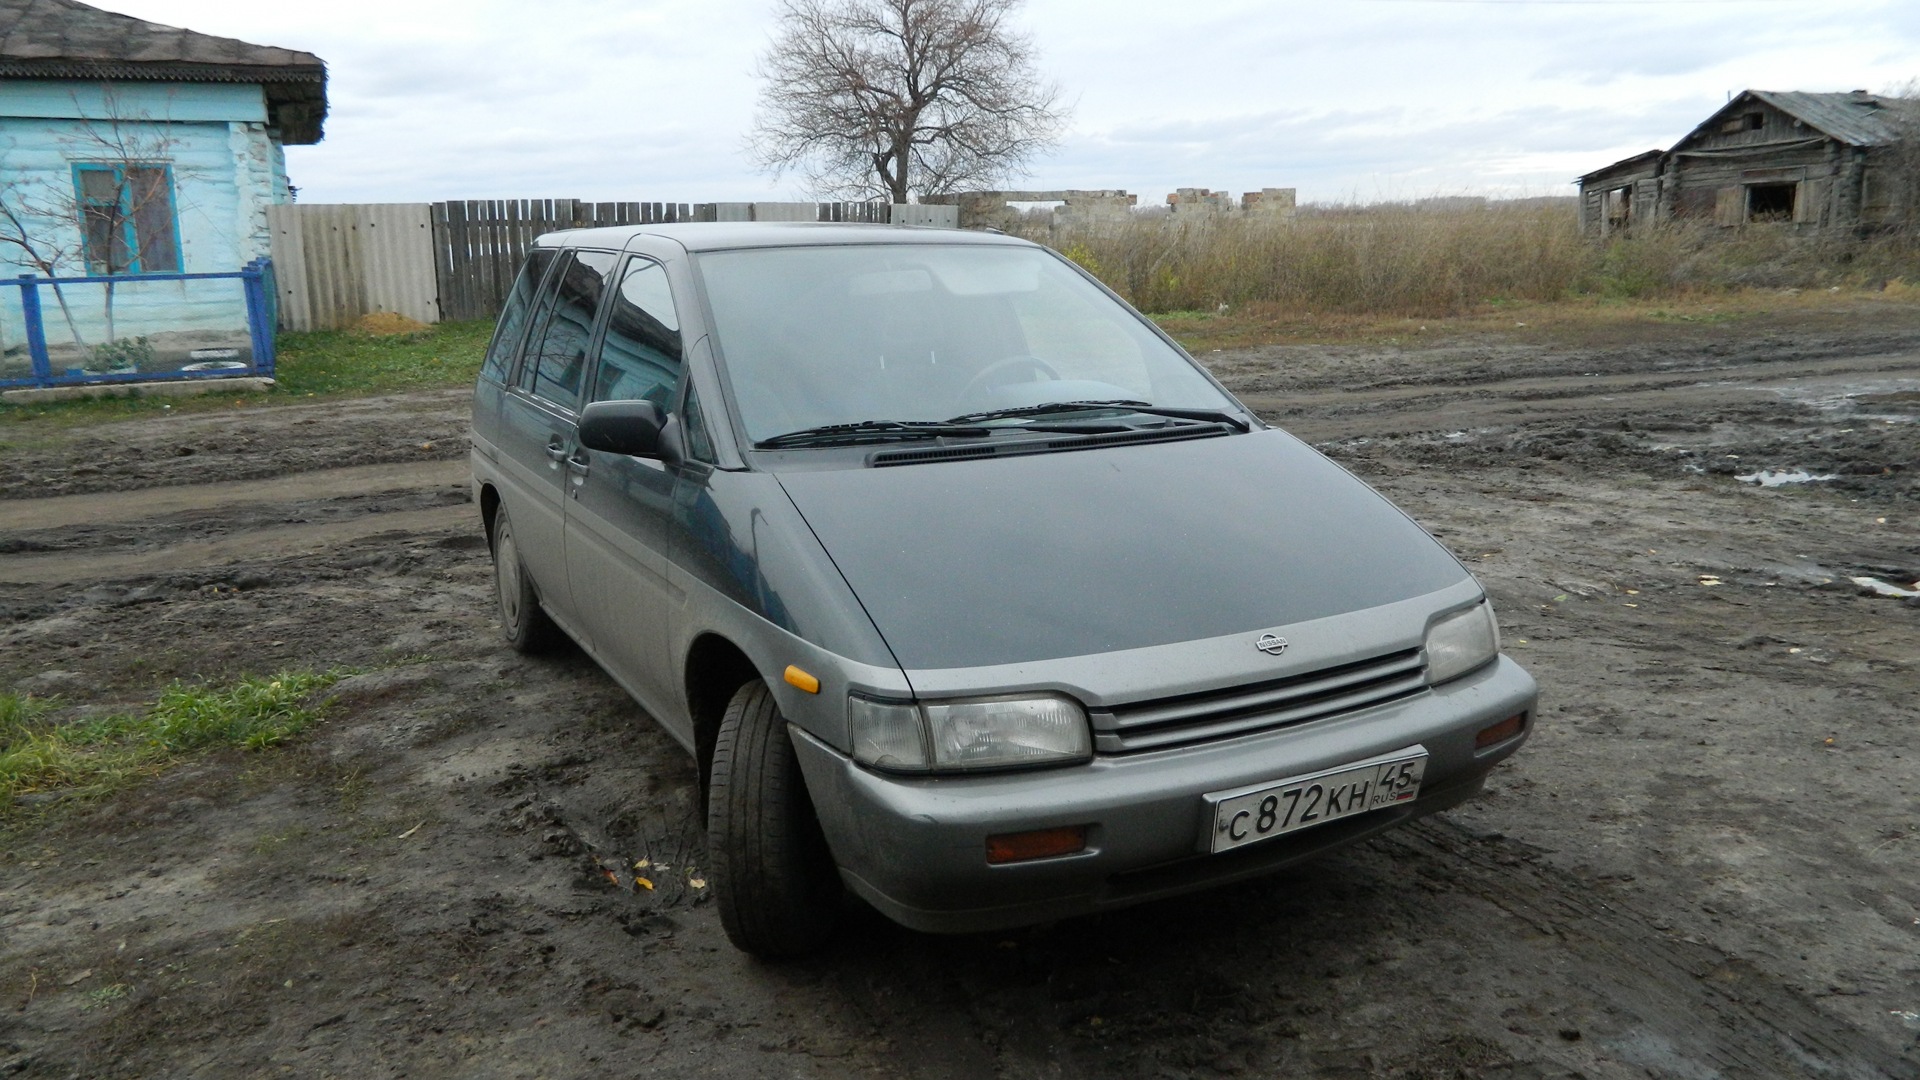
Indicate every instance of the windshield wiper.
{"type": "Point", "coordinates": [866, 431]}
{"type": "Point", "coordinates": [1212, 416]}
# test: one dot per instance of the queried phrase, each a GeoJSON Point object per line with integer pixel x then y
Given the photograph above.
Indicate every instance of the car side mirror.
{"type": "Point", "coordinates": [623, 427]}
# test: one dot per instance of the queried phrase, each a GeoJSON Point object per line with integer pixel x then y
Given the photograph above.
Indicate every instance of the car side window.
{"type": "Point", "coordinates": [559, 360]}
{"type": "Point", "coordinates": [514, 316]}
{"type": "Point", "coordinates": [640, 357]}
{"type": "Point", "coordinates": [525, 367]}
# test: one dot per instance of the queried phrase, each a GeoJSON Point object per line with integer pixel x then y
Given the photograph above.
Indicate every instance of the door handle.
{"type": "Point", "coordinates": [556, 451]}
{"type": "Point", "coordinates": [578, 462]}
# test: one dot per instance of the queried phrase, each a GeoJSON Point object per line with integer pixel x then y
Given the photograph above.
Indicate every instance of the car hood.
{"type": "Point", "coordinates": [1006, 560]}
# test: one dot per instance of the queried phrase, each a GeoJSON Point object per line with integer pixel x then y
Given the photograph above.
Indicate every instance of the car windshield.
{"type": "Point", "coordinates": [894, 333]}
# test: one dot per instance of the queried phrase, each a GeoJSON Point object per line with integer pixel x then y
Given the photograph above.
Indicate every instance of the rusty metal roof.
{"type": "Point", "coordinates": [64, 39]}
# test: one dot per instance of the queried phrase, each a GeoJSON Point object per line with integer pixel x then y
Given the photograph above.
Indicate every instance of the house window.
{"type": "Point", "coordinates": [127, 219]}
{"type": "Point", "coordinates": [1771, 202]}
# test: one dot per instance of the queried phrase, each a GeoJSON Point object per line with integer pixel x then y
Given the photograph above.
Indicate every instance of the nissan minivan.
{"type": "Point", "coordinates": [969, 592]}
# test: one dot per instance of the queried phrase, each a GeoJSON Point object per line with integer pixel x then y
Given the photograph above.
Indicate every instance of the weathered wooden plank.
{"type": "Point", "coordinates": [462, 252]}
{"type": "Point", "coordinates": [443, 268]}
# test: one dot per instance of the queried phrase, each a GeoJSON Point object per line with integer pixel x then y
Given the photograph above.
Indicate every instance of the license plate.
{"type": "Point", "coordinates": [1248, 815]}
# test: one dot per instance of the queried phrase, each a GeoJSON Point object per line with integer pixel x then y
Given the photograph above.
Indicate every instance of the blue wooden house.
{"type": "Point", "coordinates": [135, 151]}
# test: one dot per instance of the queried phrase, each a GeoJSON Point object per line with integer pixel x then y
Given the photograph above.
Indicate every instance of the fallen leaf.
{"type": "Point", "coordinates": [409, 832]}
{"type": "Point", "coordinates": [641, 864]}
{"type": "Point", "coordinates": [642, 883]}
{"type": "Point", "coordinates": [697, 882]}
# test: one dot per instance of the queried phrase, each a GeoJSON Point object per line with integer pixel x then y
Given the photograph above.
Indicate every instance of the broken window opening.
{"type": "Point", "coordinates": [1771, 202]}
{"type": "Point", "coordinates": [1619, 204]}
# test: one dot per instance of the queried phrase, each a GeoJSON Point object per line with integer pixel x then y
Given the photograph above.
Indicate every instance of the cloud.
{"type": "Point", "coordinates": [651, 99]}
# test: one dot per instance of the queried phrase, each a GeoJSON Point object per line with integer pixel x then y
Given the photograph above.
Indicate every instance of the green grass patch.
{"type": "Point", "coordinates": [94, 757]}
{"type": "Point", "coordinates": [351, 363]}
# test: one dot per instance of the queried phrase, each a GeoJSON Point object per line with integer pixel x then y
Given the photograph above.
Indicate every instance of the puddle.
{"type": "Point", "coordinates": [1868, 399]}
{"type": "Point", "coordinates": [1781, 477]}
{"type": "Point", "coordinates": [1881, 588]}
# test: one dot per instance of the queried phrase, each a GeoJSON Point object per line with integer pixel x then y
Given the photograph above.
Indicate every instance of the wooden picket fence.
{"type": "Point", "coordinates": [457, 260]}
{"type": "Point", "coordinates": [478, 244]}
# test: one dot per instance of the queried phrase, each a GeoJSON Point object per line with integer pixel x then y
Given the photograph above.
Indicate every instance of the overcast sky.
{"type": "Point", "coordinates": [1342, 99]}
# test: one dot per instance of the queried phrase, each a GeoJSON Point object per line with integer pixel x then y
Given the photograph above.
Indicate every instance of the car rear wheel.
{"type": "Point", "coordinates": [527, 627]}
{"type": "Point", "coordinates": [773, 878]}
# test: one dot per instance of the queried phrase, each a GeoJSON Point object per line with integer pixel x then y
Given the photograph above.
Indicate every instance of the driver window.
{"type": "Point", "coordinates": [640, 357]}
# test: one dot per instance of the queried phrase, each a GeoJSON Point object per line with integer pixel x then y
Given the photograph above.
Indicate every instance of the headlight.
{"type": "Point", "coordinates": [1461, 642]}
{"type": "Point", "coordinates": [961, 736]}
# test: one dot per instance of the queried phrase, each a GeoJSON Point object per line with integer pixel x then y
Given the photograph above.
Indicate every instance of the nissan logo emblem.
{"type": "Point", "coordinates": [1268, 643]}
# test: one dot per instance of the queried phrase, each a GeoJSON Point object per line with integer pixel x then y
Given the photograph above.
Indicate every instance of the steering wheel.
{"type": "Point", "coordinates": [991, 376]}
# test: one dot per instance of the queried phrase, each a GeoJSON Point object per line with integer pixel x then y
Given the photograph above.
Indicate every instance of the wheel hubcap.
{"type": "Point", "coordinates": [506, 571]}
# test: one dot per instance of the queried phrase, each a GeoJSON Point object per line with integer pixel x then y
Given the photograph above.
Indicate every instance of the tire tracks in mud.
{"type": "Point", "coordinates": [1402, 408]}
{"type": "Point", "coordinates": [1684, 1008]}
{"type": "Point", "coordinates": [76, 538]}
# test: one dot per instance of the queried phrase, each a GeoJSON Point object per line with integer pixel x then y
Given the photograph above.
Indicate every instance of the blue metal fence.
{"type": "Point", "coordinates": [257, 288]}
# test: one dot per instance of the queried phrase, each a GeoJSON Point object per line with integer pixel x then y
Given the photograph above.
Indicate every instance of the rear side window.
{"type": "Point", "coordinates": [640, 356]}
{"type": "Point", "coordinates": [514, 316]}
{"type": "Point", "coordinates": [557, 361]}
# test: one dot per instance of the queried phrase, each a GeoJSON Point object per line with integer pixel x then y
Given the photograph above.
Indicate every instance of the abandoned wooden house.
{"type": "Point", "coordinates": [1815, 161]}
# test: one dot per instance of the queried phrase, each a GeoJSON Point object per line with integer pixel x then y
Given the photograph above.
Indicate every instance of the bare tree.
{"type": "Point", "coordinates": [882, 98]}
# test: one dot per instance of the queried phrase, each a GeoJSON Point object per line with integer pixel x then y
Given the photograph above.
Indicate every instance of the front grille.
{"type": "Point", "coordinates": [1242, 710]}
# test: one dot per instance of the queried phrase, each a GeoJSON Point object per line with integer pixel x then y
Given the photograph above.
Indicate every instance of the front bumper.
{"type": "Point", "coordinates": [915, 847]}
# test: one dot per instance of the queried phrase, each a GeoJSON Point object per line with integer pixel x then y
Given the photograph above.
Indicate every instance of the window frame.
{"type": "Point", "coordinates": [630, 263]}
{"type": "Point", "coordinates": [127, 216]}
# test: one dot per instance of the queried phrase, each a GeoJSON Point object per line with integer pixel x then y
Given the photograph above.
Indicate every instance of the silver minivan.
{"type": "Point", "coordinates": [970, 593]}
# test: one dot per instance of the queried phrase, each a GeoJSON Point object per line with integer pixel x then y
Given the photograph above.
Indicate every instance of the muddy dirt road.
{"type": "Point", "coordinates": [1706, 864]}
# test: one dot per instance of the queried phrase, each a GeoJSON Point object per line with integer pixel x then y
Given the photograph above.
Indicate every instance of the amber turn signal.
{"type": "Point", "coordinates": [802, 680]}
{"type": "Point", "coordinates": [1500, 732]}
{"type": "Point", "coordinates": [1039, 844]}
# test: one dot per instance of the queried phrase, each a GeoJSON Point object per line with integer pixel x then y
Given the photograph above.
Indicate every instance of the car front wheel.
{"type": "Point", "coordinates": [773, 877]}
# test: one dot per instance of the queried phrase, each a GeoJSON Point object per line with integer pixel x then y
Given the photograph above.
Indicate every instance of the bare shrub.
{"type": "Point", "coordinates": [1389, 259]}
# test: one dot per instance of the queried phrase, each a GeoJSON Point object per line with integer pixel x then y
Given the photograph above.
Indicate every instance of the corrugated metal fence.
{"type": "Point", "coordinates": [456, 260]}
{"type": "Point", "coordinates": [335, 263]}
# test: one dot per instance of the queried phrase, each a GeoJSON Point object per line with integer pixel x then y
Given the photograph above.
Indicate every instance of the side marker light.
{"type": "Point", "coordinates": [802, 680]}
{"type": "Point", "coordinates": [1039, 844]}
{"type": "Point", "coordinates": [1500, 732]}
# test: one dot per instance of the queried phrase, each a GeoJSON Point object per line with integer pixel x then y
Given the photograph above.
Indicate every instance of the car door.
{"type": "Point", "coordinates": [620, 510]}
{"type": "Point", "coordinates": [538, 422]}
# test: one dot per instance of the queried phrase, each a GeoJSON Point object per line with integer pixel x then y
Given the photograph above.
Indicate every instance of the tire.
{"type": "Point", "coordinates": [526, 626]}
{"type": "Point", "coordinates": [774, 879]}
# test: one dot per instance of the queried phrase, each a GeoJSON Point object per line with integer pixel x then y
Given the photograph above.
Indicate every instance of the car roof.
{"type": "Point", "coordinates": [717, 236]}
